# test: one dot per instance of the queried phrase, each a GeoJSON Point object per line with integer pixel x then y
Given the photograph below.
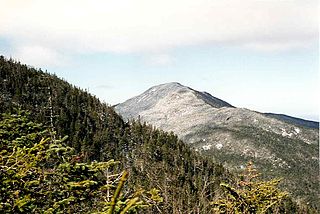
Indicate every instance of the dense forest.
{"type": "Point", "coordinates": [90, 132]}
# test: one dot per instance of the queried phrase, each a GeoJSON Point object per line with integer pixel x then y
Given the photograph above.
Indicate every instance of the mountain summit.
{"type": "Point", "coordinates": [173, 93]}
{"type": "Point", "coordinates": [278, 144]}
{"type": "Point", "coordinates": [164, 105]}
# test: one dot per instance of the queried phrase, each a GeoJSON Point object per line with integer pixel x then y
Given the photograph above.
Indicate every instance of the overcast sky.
{"type": "Point", "coordinates": [257, 54]}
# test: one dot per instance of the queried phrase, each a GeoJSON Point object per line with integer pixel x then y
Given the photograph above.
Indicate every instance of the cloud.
{"type": "Point", "coordinates": [39, 56]}
{"type": "Point", "coordinates": [128, 26]}
{"type": "Point", "coordinates": [159, 59]}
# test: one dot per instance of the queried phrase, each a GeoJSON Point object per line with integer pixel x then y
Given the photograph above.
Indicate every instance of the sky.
{"type": "Point", "coordinates": [256, 54]}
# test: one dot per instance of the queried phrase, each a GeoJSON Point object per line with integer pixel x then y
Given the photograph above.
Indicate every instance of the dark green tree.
{"type": "Point", "coordinates": [251, 195]}
{"type": "Point", "coordinates": [39, 175]}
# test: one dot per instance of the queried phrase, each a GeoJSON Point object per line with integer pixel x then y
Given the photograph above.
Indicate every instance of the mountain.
{"type": "Point", "coordinates": [279, 145]}
{"type": "Point", "coordinates": [149, 99]}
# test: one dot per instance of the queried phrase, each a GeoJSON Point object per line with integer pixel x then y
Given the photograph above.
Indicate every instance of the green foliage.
{"type": "Point", "coordinates": [187, 181]}
{"type": "Point", "coordinates": [251, 195]}
{"type": "Point", "coordinates": [139, 200]}
{"type": "Point", "coordinates": [17, 131]}
{"type": "Point", "coordinates": [90, 125]}
{"type": "Point", "coordinates": [47, 176]}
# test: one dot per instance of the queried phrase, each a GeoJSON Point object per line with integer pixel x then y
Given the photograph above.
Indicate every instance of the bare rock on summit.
{"type": "Point", "coordinates": [171, 92]}
{"type": "Point", "coordinates": [280, 145]}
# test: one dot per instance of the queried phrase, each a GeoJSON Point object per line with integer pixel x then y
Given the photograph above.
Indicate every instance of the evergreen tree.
{"type": "Point", "coordinates": [45, 176]}
{"type": "Point", "coordinates": [251, 195]}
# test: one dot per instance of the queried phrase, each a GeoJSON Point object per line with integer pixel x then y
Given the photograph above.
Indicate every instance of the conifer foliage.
{"type": "Point", "coordinates": [251, 195]}
{"type": "Point", "coordinates": [39, 175]}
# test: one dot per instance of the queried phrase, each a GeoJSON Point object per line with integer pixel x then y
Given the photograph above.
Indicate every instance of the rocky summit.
{"type": "Point", "coordinates": [280, 145]}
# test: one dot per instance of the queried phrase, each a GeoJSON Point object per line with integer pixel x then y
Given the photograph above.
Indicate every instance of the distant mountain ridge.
{"type": "Point", "coordinates": [280, 145]}
{"type": "Point", "coordinates": [294, 120]}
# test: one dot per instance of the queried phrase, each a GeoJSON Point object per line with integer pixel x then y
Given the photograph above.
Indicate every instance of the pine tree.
{"type": "Point", "coordinates": [41, 175]}
{"type": "Point", "coordinates": [251, 195]}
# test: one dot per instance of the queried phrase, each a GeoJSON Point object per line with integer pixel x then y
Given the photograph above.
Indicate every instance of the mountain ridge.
{"type": "Point", "coordinates": [218, 103]}
{"type": "Point", "coordinates": [279, 145]}
{"type": "Point", "coordinates": [295, 120]}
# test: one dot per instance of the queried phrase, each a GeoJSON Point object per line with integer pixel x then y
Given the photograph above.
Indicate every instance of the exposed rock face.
{"type": "Point", "coordinates": [278, 144]}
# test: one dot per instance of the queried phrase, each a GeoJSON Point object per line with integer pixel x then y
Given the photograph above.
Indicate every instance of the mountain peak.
{"type": "Point", "coordinates": [172, 93]}
{"type": "Point", "coordinates": [166, 87]}
{"type": "Point", "coordinates": [171, 84]}
{"type": "Point", "coordinates": [175, 87]}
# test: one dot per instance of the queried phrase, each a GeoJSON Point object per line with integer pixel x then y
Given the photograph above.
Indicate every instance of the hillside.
{"type": "Point", "coordinates": [279, 145]}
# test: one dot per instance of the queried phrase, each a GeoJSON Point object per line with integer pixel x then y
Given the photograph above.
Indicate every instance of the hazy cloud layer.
{"type": "Point", "coordinates": [43, 29]}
